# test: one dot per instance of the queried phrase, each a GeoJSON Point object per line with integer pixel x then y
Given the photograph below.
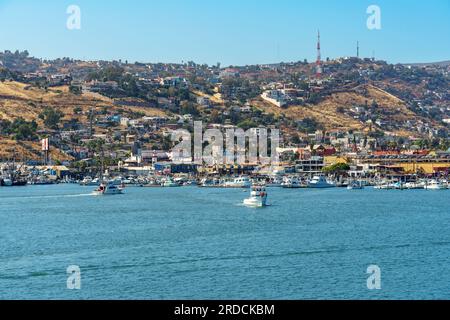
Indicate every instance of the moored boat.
{"type": "Point", "coordinates": [274, 182]}
{"type": "Point", "coordinates": [239, 182]}
{"type": "Point", "coordinates": [320, 182]}
{"type": "Point", "coordinates": [6, 182]}
{"type": "Point", "coordinates": [355, 185]}
{"type": "Point", "coordinates": [435, 185]}
{"type": "Point", "coordinates": [291, 183]}
{"type": "Point", "coordinates": [88, 181]}
{"type": "Point", "coordinates": [414, 185]}
{"type": "Point", "coordinates": [169, 183]}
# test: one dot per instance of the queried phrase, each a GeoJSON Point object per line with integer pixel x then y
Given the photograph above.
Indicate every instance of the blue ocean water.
{"type": "Point", "coordinates": [194, 243]}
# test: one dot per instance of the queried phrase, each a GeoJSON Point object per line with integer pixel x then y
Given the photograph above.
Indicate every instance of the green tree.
{"type": "Point", "coordinates": [247, 124]}
{"type": "Point", "coordinates": [51, 117]}
{"type": "Point", "coordinates": [75, 90]}
{"type": "Point", "coordinates": [23, 130]}
{"type": "Point", "coordinates": [337, 168]}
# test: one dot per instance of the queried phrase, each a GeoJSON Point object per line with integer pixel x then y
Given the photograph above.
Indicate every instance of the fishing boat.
{"type": "Point", "coordinates": [291, 183]}
{"type": "Point", "coordinates": [258, 197]}
{"type": "Point", "coordinates": [240, 182]}
{"type": "Point", "coordinates": [106, 189]}
{"type": "Point", "coordinates": [320, 182]}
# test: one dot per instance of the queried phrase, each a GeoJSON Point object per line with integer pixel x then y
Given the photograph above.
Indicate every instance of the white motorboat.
{"type": "Point", "coordinates": [258, 197]}
{"type": "Point", "coordinates": [106, 189]}
{"type": "Point", "coordinates": [291, 183]}
{"type": "Point", "coordinates": [240, 182]}
{"type": "Point", "coordinates": [320, 182]}
{"type": "Point", "coordinates": [435, 185]}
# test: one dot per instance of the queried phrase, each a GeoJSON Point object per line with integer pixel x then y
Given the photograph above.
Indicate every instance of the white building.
{"type": "Point", "coordinates": [276, 97]}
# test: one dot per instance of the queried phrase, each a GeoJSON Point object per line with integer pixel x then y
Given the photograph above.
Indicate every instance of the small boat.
{"type": "Point", "coordinates": [291, 183]}
{"type": "Point", "coordinates": [106, 189]}
{"type": "Point", "coordinates": [435, 185]}
{"type": "Point", "coordinates": [320, 182]}
{"type": "Point", "coordinates": [258, 197]}
{"type": "Point", "coordinates": [355, 185]}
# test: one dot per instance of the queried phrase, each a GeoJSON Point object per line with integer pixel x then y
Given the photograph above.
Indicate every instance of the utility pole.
{"type": "Point", "coordinates": [91, 120]}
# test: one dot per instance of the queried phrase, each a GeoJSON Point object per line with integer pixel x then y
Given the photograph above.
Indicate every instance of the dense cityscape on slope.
{"type": "Point", "coordinates": [350, 113]}
{"type": "Point", "coordinates": [224, 158]}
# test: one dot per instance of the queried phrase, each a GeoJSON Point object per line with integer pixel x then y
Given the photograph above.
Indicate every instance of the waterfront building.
{"type": "Point", "coordinates": [313, 165]}
{"type": "Point", "coordinates": [412, 164]}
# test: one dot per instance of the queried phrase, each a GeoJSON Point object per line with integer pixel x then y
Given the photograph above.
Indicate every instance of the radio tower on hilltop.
{"type": "Point", "coordinates": [319, 59]}
{"type": "Point", "coordinates": [357, 49]}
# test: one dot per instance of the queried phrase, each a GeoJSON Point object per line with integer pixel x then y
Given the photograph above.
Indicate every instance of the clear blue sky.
{"type": "Point", "coordinates": [233, 32]}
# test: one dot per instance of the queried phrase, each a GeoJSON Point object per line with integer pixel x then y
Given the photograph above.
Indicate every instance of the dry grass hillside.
{"type": "Point", "coordinates": [21, 100]}
{"type": "Point", "coordinates": [326, 112]}
{"type": "Point", "coordinates": [26, 150]}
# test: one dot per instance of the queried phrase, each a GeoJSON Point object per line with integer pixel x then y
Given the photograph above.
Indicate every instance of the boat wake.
{"type": "Point", "coordinates": [53, 196]}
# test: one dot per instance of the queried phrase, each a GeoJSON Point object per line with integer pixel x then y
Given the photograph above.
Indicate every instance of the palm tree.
{"type": "Point", "coordinates": [97, 146]}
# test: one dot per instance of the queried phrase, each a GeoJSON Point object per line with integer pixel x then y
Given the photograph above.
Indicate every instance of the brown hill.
{"type": "Point", "coordinates": [21, 100]}
{"type": "Point", "coordinates": [333, 111]}
{"type": "Point", "coordinates": [26, 150]}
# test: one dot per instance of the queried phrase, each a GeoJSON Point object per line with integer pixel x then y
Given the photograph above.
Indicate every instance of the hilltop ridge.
{"type": "Point", "coordinates": [372, 97]}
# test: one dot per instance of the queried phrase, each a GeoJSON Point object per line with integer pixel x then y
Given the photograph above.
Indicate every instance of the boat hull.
{"type": "Point", "coordinates": [354, 188]}
{"type": "Point", "coordinates": [313, 186]}
{"type": "Point", "coordinates": [255, 202]}
{"type": "Point", "coordinates": [107, 193]}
